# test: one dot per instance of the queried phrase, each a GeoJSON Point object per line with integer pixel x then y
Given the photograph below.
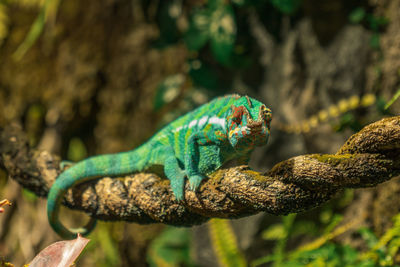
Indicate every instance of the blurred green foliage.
{"type": "Point", "coordinates": [171, 248]}
{"type": "Point", "coordinates": [29, 195]}
{"type": "Point", "coordinates": [103, 244]}
{"type": "Point", "coordinates": [348, 121]}
{"type": "Point", "coordinates": [372, 22]}
{"type": "Point", "coordinates": [168, 90]}
{"type": "Point", "coordinates": [34, 123]}
{"type": "Point", "coordinates": [225, 244]}
{"type": "Point", "coordinates": [47, 13]}
{"type": "Point", "coordinates": [215, 42]}
{"type": "Point", "coordinates": [392, 100]}
{"type": "Point", "coordinates": [76, 150]}
{"type": "Point", "coordinates": [287, 6]}
{"type": "Point", "coordinates": [214, 23]}
{"type": "Point", "coordinates": [325, 252]}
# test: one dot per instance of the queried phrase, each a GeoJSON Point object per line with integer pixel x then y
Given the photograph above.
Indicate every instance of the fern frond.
{"type": "Point", "coordinates": [225, 244]}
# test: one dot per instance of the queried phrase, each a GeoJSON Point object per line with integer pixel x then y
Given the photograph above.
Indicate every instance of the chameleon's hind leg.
{"type": "Point", "coordinates": [172, 170]}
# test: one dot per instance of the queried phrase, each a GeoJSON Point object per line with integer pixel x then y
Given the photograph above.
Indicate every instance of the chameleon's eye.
{"type": "Point", "coordinates": [236, 119]}
{"type": "Point", "coordinates": [267, 114]}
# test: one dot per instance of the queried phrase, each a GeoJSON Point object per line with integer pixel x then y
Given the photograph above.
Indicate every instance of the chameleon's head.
{"type": "Point", "coordinates": [248, 124]}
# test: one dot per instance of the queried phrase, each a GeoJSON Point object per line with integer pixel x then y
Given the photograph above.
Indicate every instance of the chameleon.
{"type": "Point", "coordinates": [191, 147]}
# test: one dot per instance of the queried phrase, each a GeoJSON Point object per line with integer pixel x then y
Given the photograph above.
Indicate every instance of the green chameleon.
{"type": "Point", "coordinates": [192, 146]}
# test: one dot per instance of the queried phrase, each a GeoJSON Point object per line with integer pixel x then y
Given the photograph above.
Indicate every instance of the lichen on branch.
{"type": "Point", "coordinates": [368, 158]}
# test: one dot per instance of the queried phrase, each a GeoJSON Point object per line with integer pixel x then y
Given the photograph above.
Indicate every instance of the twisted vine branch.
{"type": "Point", "coordinates": [368, 158]}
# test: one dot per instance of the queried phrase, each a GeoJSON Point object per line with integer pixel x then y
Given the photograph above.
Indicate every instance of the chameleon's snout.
{"type": "Point", "coordinates": [264, 118]}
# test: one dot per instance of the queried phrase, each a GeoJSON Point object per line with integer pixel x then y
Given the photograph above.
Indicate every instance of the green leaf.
{"type": "Point", "coordinates": [286, 6]}
{"type": "Point", "coordinates": [168, 90]}
{"type": "Point", "coordinates": [198, 33]}
{"type": "Point", "coordinates": [222, 33]}
{"type": "Point", "coordinates": [48, 10]}
{"type": "Point", "coordinates": [357, 15]}
{"type": "Point", "coordinates": [34, 33]}
{"type": "Point", "coordinates": [393, 99]}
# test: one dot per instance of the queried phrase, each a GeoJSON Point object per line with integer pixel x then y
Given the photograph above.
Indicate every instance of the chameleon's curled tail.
{"type": "Point", "coordinates": [54, 199]}
{"type": "Point", "coordinates": [53, 207]}
{"type": "Point", "coordinates": [86, 170]}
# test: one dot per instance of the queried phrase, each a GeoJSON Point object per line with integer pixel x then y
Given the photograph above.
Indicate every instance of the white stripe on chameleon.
{"type": "Point", "coordinates": [217, 120]}
{"type": "Point", "coordinates": [192, 123]}
{"type": "Point", "coordinates": [202, 121]}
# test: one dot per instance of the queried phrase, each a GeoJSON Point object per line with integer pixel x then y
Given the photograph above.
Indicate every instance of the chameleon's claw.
{"type": "Point", "coordinates": [178, 198]}
{"type": "Point", "coordinates": [195, 181]}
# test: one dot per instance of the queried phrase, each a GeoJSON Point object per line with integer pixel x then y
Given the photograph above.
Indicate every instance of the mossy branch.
{"type": "Point", "coordinates": [368, 158]}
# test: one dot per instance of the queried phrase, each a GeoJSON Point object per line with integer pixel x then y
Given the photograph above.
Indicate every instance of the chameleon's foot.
{"type": "Point", "coordinates": [195, 181]}
{"type": "Point", "coordinates": [177, 185]}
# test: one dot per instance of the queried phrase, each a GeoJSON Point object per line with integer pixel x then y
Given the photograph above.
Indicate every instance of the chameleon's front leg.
{"type": "Point", "coordinates": [166, 156]}
{"type": "Point", "coordinates": [192, 157]}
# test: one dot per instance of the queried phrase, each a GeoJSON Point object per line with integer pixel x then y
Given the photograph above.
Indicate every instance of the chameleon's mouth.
{"type": "Point", "coordinates": [257, 125]}
{"type": "Point", "coordinates": [252, 127]}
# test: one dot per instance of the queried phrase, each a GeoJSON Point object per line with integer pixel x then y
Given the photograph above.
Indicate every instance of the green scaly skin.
{"type": "Point", "coordinates": [193, 146]}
